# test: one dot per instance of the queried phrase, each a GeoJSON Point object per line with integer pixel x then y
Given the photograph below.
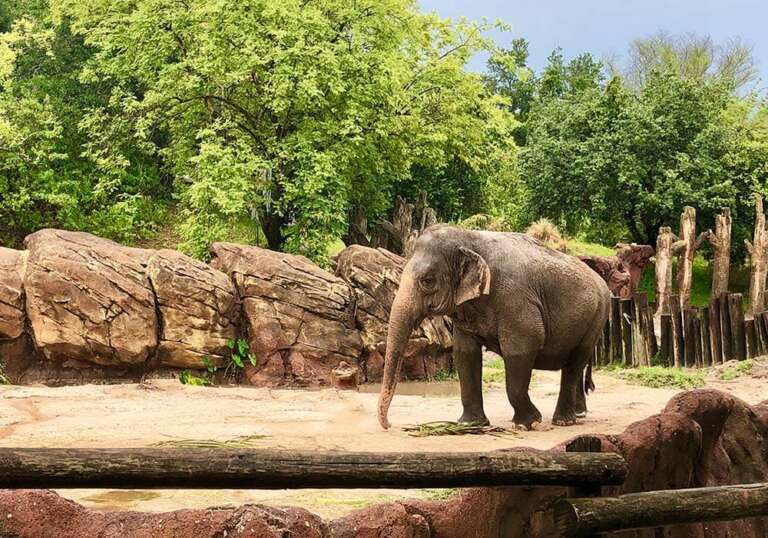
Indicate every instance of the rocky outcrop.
{"type": "Point", "coordinates": [299, 318]}
{"type": "Point", "coordinates": [701, 438]}
{"type": "Point", "coordinates": [12, 318]}
{"type": "Point", "coordinates": [43, 514]}
{"type": "Point", "coordinates": [613, 271]}
{"type": "Point", "coordinates": [198, 310]}
{"type": "Point", "coordinates": [89, 299]}
{"type": "Point", "coordinates": [373, 275]}
{"type": "Point", "coordinates": [78, 308]}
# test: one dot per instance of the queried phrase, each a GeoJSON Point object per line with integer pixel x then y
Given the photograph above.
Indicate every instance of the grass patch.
{"type": "Point", "coordinates": [439, 428]}
{"type": "Point", "coordinates": [440, 494]}
{"type": "Point", "coordinates": [585, 248]}
{"type": "Point", "coordinates": [741, 368]}
{"type": "Point", "coordinates": [445, 375]}
{"type": "Point", "coordinates": [241, 441]}
{"type": "Point", "coordinates": [661, 377]}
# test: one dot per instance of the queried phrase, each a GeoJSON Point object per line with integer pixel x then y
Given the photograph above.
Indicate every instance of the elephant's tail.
{"type": "Point", "coordinates": [589, 384]}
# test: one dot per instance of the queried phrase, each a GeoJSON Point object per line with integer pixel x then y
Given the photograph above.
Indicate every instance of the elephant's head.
{"type": "Point", "coordinates": [443, 273]}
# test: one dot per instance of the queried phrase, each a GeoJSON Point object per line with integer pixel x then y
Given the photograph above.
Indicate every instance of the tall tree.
{"type": "Point", "coordinates": [286, 110]}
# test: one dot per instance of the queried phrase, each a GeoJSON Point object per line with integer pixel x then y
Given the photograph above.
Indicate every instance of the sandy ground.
{"type": "Point", "coordinates": [161, 410]}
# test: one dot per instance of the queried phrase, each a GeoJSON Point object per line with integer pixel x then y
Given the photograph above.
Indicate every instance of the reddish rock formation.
{"type": "Point", "coordinates": [299, 318]}
{"type": "Point", "coordinates": [612, 270]}
{"type": "Point", "coordinates": [198, 310]}
{"type": "Point", "coordinates": [88, 299]}
{"type": "Point", "coordinates": [635, 258]}
{"type": "Point", "coordinates": [11, 294]}
{"type": "Point", "coordinates": [374, 275]}
{"type": "Point", "coordinates": [701, 438]}
{"type": "Point", "coordinates": [43, 514]}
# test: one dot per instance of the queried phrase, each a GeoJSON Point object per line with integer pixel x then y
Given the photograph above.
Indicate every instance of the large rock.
{"type": "Point", "coordinates": [198, 310]}
{"type": "Point", "coordinates": [299, 318]}
{"type": "Point", "coordinates": [11, 294]}
{"type": "Point", "coordinates": [89, 299]}
{"type": "Point", "coordinates": [44, 514]}
{"type": "Point", "coordinates": [374, 276]}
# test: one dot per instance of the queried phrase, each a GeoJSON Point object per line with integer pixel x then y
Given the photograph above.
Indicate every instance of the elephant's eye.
{"type": "Point", "coordinates": [428, 282]}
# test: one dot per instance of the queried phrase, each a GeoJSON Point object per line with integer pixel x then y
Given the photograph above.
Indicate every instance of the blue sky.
{"type": "Point", "coordinates": [605, 27]}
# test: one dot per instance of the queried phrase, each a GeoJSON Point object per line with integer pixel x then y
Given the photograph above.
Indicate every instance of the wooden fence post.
{"type": "Point", "coordinates": [626, 329]}
{"type": "Point", "coordinates": [677, 331]}
{"type": "Point", "coordinates": [725, 327]}
{"type": "Point", "coordinates": [616, 324]}
{"type": "Point", "coordinates": [690, 243]}
{"type": "Point", "coordinates": [666, 351]}
{"type": "Point", "coordinates": [714, 331]}
{"type": "Point", "coordinates": [758, 256]}
{"type": "Point", "coordinates": [721, 244]}
{"type": "Point", "coordinates": [736, 313]}
{"type": "Point", "coordinates": [706, 341]}
{"type": "Point", "coordinates": [667, 244]}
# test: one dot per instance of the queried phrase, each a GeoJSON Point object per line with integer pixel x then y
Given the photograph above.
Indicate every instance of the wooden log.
{"type": "Point", "coordinates": [725, 328]}
{"type": "Point", "coordinates": [606, 358]}
{"type": "Point", "coordinates": [758, 256]}
{"type": "Point", "coordinates": [678, 343]}
{"type": "Point", "coordinates": [698, 352]}
{"type": "Point", "coordinates": [617, 349]}
{"type": "Point", "coordinates": [590, 516]}
{"type": "Point", "coordinates": [761, 329]}
{"type": "Point", "coordinates": [706, 343]}
{"type": "Point", "coordinates": [198, 468]}
{"type": "Point", "coordinates": [666, 245]}
{"type": "Point", "coordinates": [689, 348]}
{"type": "Point", "coordinates": [751, 338]}
{"type": "Point", "coordinates": [638, 342]}
{"type": "Point", "coordinates": [715, 340]}
{"type": "Point", "coordinates": [721, 245]}
{"type": "Point", "coordinates": [666, 349]}
{"type": "Point", "coordinates": [626, 330]}
{"type": "Point", "coordinates": [650, 333]}
{"type": "Point", "coordinates": [736, 313]}
{"type": "Point", "coordinates": [689, 243]}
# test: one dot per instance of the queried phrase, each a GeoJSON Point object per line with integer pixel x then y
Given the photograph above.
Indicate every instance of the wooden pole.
{"type": "Point", "coordinates": [758, 255]}
{"type": "Point", "coordinates": [690, 243]}
{"type": "Point", "coordinates": [725, 328]}
{"type": "Point", "coordinates": [714, 331]}
{"type": "Point", "coordinates": [706, 341]}
{"type": "Point", "coordinates": [736, 314]}
{"type": "Point", "coordinates": [666, 350]}
{"type": "Point", "coordinates": [721, 244]}
{"type": "Point", "coordinates": [198, 468]}
{"type": "Point", "coordinates": [689, 337]}
{"type": "Point", "coordinates": [751, 337]}
{"type": "Point", "coordinates": [678, 343]}
{"type": "Point", "coordinates": [667, 244]}
{"type": "Point", "coordinates": [626, 329]}
{"type": "Point", "coordinates": [590, 516]}
{"type": "Point", "coordinates": [616, 322]}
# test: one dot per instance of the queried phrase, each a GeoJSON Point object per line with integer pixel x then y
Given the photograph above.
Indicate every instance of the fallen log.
{"type": "Point", "coordinates": [589, 516]}
{"type": "Point", "coordinates": [204, 468]}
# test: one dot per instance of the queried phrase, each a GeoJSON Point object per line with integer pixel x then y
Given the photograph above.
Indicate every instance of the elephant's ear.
{"type": "Point", "coordinates": [474, 276]}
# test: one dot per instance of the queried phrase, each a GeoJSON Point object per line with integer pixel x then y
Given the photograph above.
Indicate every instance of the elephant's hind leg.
{"type": "Point", "coordinates": [571, 403]}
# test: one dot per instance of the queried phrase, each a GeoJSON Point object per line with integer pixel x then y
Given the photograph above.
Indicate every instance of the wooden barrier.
{"type": "Point", "coordinates": [198, 468]}
{"type": "Point", "coordinates": [591, 516]}
{"type": "Point", "coordinates": [696, 337]}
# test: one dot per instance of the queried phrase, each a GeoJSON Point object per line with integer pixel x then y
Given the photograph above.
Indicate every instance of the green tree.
{"type": "Point", "coordinates": [286, 111]}
{"type": "Point", "coordinates": [612, 155]}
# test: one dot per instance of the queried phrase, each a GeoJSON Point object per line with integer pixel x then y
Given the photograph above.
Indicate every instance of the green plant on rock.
{"type": "Point", "coordinates": [188, 378]}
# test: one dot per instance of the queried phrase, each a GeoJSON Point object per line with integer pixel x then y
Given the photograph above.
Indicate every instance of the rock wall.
{"type": "Point", "coordinates": [75, 307]}
{"type": "Point", "coordinates": [701, 438]}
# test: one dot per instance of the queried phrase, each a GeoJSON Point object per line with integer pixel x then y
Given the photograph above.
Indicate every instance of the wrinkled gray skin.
{"type": "Point", "coordinates": [536, 307]}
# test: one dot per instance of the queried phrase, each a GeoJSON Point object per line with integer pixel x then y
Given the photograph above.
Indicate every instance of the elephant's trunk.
{"type": "Point", "coordinates": [402, 320]}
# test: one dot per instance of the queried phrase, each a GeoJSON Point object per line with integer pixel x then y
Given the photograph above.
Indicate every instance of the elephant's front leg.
{"type": "Point", "coordinates": [468, 360]}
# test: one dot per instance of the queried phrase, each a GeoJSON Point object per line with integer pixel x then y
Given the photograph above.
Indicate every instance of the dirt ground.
{"type": "Point", "coordinates": [161, 410]}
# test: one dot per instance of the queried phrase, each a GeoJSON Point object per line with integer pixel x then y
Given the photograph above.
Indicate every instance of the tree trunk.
{"type": "Point", "coordinates": [758, 254]}
{"type": "Point", "coordinates": [721, 243]}
{"type": "Point", "coordinates": [221, 468]}
{"type": "Point", "coordinates": [689, 243]}
{"type": "Point", "coordinates": [666, 244]}
{"type": "Point", "coordinates": [272, 224]}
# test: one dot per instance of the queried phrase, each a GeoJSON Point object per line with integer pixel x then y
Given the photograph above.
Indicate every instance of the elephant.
{"type": "Point", "coordinates": [534, 306]}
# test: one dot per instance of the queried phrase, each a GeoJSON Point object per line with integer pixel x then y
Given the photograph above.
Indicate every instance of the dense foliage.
{"type": "Point", "coordinates": [271, 121]}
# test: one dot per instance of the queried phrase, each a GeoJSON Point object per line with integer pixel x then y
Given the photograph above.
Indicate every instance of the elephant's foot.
{"type": "Point", "coordinates": [474, 418]}
{"type": "Point", "coordinates": [564, 418]}
{"type": "Point", "coordinates": [528, 420]}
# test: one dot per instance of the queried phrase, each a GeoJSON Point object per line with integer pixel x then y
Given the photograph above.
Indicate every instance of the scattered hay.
{"type": "Point", "coordinates": [241, 441]}
{"type": "Point", "coordinates": [438, 428]}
